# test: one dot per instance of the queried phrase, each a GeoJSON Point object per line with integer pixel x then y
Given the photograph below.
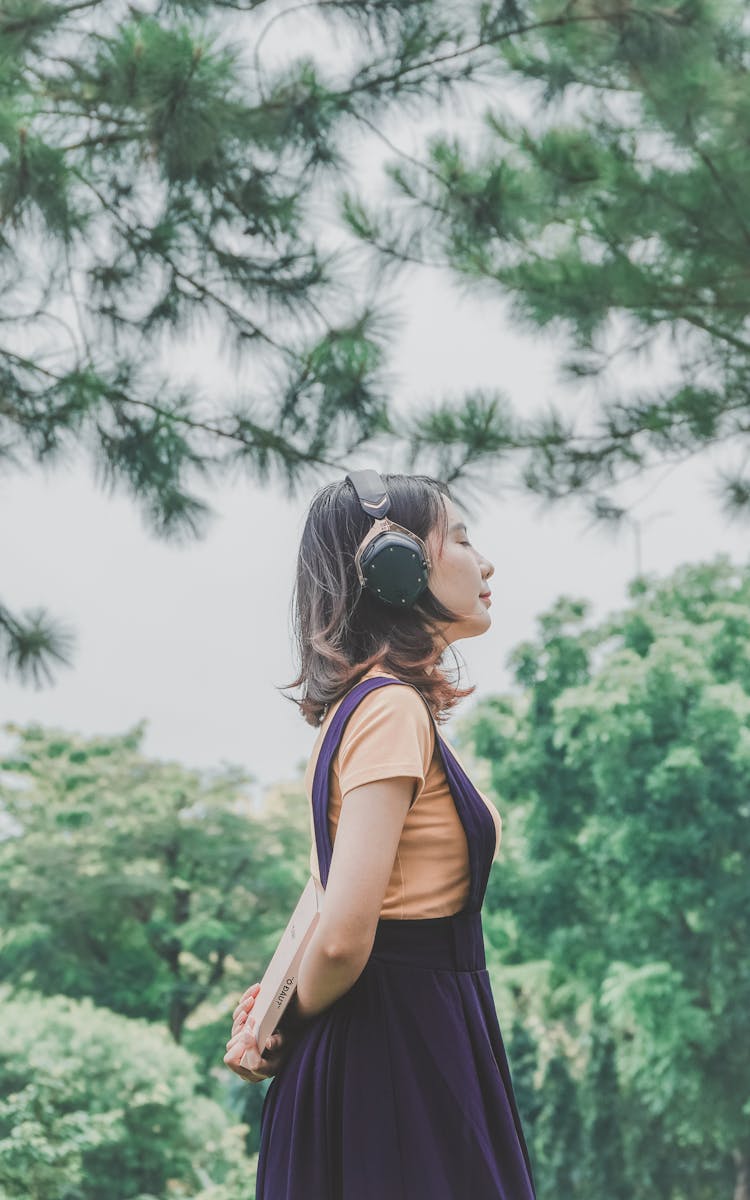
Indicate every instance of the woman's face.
{"type": "Point", "coordinates": [458, 577]}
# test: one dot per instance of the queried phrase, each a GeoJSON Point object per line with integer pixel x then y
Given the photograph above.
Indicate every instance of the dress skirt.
{"type": "Point", "coordinates": [401, 1090]}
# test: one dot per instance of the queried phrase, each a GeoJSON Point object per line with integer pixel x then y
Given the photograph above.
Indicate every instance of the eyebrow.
{"type": "Point", "coordinates": [458, 525]}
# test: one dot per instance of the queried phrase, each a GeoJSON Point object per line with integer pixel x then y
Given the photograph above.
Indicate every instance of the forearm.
{"type": "Point", "coordinates": [323, 977]}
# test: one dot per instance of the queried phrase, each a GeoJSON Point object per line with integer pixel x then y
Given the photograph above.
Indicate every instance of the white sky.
{"type": "Point", "coordinates": [196, 639]}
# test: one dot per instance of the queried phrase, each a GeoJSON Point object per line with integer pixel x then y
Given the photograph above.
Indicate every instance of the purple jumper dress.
{"type": "Point", "coordinates": [400, 1090]}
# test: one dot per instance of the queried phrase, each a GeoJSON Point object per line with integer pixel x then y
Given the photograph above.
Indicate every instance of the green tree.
{"type": "Point", "coordinates": [558, 1134]}
{"type": "Point", "coordinates": [94, 1104]}
{"type": "Point", "coordinates": [625, 196]}
{"type": "Point", "coordinates": [523, 1054]}
{"type": "Point", "coordinates": [153, 176]}
{"type": "Point", "coordinates": [147, 887]}
{"type": "Point", "coordinates": [603, 1161]}
{"type": "Point", "coordinates": [154, 173]}
{"type": "Point", "coordinates": [625, 759]}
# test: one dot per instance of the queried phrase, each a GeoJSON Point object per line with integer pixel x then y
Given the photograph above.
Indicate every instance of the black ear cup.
{"type": "Point", "coordinates": [394, 568]}
{"type": "Point", "coordinates": [392, 562]}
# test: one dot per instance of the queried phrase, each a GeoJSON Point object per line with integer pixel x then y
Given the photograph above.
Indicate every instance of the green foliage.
{"type": "Point", "coordinates": [605, 1121]}
{"type": "Point", "coordinates": [32, 643]}
{"type": "Point", "coordinates": [623, 768]}
{"type": "Point", "coordinates": [147, 887]}
{"type": "Point", "coordinates": [138, 899]}
{"type": "Point", "coordinates": [625, 195]}
{"type": "Point", "coordinates": [558, 1136]}
{"type": "Point", "coordinates": [152, 178]}
{"type": "Point", "coordinates": [523, 1052]}
{"type": "Point", "coordinates": [94, 1104]}
{"type": "Point", "coordinates": [170, 179]}
{"type": "Point", "coordinates": [148, 890]}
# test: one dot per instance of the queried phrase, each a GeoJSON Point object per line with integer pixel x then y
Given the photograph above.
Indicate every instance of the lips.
{"type": "Point", "coordinates": [484, 595]}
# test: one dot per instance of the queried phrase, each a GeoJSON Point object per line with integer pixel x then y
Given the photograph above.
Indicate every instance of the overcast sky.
{"type": "Point", "coordinates": [196, 639]}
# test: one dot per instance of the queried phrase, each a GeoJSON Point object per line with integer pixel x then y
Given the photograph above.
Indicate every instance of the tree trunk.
{"type": "Point", "coordinates": [742, 1178]}
{"type": "Point", "coordinates": [179, 1011]}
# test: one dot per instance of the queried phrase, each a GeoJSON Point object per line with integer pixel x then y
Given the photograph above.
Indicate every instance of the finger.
{"type": "Point", "coordinates": [243, 1058]}
{"type": "Point", "coordinates": [245, 1053]}
{"type": "Point", "coordinates": [246, 1040]}
{"type": "Point", "coordinates": [246, 1072]}
{"type": "Point", "coordinates": [246, 1034]}
{"type": "Point", "coordinates": [252, 1060]}
{"type": "Point", "coordinates": [238, 1023]}
{"type": "Point", "coordinates": [245, 1004]}
{"type": "Point", "coordinates": [273, 1063]}
{"type": "Point", "coordinates": [240, 1037]}
{"type": "Point", "coordinates": [273, 1046]}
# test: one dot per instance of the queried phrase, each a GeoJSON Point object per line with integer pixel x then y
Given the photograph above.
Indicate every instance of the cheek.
{"type": "Point", "coordinates": [450, 577]}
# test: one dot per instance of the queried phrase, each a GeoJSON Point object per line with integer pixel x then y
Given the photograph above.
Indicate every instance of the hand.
{"type": "Point", "coordinates": [243, 1054]}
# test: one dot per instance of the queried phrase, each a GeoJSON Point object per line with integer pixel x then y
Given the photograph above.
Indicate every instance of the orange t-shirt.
{"type": "Point", "coordinates": [390, 733]}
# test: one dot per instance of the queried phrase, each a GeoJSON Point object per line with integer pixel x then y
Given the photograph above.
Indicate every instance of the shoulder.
{"type": "Point", "coordinates": [393, 701]}
{"type": "Point", "coordinates": [390, 722]}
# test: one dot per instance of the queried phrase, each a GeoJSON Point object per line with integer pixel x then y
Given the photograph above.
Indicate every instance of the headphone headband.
{"type": "Point", "coordinates": [371, 491]}
{"type": "Point", "coordinates": [392, 563]}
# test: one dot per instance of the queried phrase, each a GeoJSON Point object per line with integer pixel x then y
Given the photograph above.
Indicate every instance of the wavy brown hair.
{"type": "Point", "coordinates": [341, 629]}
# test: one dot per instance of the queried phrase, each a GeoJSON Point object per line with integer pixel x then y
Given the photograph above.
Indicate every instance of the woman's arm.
{"type": "Point", "coordinates": [364, 850]}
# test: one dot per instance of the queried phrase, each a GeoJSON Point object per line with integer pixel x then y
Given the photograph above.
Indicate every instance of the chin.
{"type": "Point", "coordinates": [479, 627]}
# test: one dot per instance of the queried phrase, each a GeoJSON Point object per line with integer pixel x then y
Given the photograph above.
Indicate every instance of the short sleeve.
{"type": "Point", "coordinates": [389, 733]}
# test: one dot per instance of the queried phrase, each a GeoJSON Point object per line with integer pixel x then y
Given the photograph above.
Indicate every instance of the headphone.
{"type": "Point", "coordinates": [391, 562]}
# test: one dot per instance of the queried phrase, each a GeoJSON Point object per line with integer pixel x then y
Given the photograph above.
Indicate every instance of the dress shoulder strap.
{"type": "Point", "coordinates": [322, 777]}
{"type": "Point", "coordinates": [473, 812]}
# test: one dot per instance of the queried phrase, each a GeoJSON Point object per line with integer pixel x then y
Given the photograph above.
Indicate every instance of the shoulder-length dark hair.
{"type": "Point", "coordinates": [340, 629]}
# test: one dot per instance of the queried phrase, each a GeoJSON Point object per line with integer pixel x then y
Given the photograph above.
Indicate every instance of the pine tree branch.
{"type": "Point", "coordinates": [563, 21]}
{"type": "Point", "coordinates": [235, 6]}
{"type": "Point", "coordinates": [610, 440]}
{"type": "Point", "coordinates": [238, 318]}
{"type": "Point", "coordinates": [105, 139]}
{"type": "Point", "coordinates": [693, 217]}
{"type": "Point", "coordinates": [10, 25]}
{"type": "Point", "coordinates": [422, 166]}
{"type": "Point", "coordinates": [38, 314]}
{"type": "Point", "coordinates": [688, 128]}
{"type": "Point", "coordinates": [718, 179]}
{"type": "Point", "coordinates": [291, 453]}
{"type": "Point", "coordinates": [715, 331]}
{"type": "Point", "coordinates": [81, 4]}
{"type": "Point", "coordinates": [30, 645]}
{"type": "Point", "coordinates": [276, 17]}
{"type": "Point", "coordinates": [659, 289]}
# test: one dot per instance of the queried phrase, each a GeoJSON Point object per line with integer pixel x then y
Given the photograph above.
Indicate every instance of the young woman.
{"type": "Point", "coordinates": [390, 1079]}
